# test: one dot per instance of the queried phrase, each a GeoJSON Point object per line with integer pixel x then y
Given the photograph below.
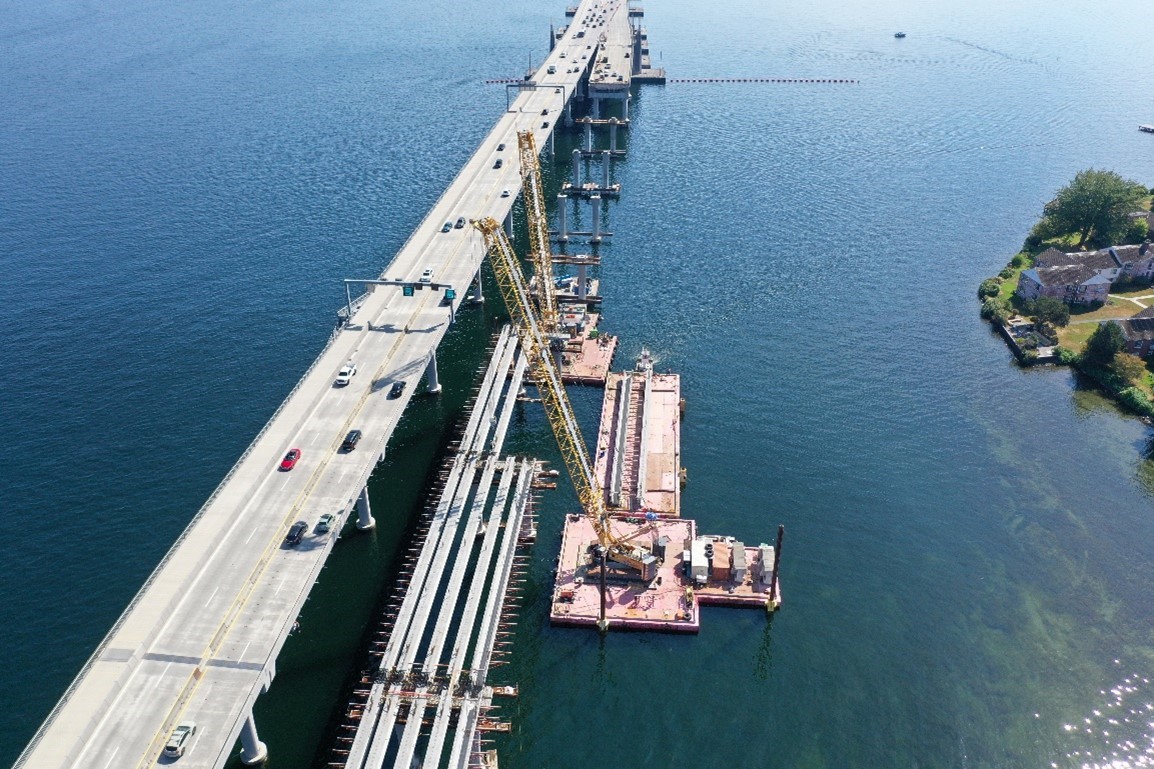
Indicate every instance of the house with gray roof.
{"type": "Point", "coordinates": [1072, 283]}
{"type": "Point", "coordinates": [1139, 333]}
{"type": "Point", "coordinates": [1085, 277]}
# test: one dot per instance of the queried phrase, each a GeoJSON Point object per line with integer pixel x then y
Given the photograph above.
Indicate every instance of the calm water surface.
{"type": "Point", "coordinates": [968, 557]}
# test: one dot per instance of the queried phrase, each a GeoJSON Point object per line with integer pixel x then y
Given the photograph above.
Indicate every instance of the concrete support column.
{"type": "Point", "coordinates": [582, 282]}
{"type": "Point", "coordinates": [596, 108]}
{"type": "Point", "coordinates": [563, 216]}
{"type": "Point", "coordinates": [431, 374]}
{"type": "Point", "coordinates": [568, 113]}
{"type": "Point", "coordinates": [478, 289]}
{"type": "Point", "coordinates": [509, 223]}
{"type": "Point", "coordinates": [365, 520]}
{"type": "Point", "coordinates": [625, 108]}
{"type": "Point", "coordinates": [588, 136]}
{"type": "Point", "coordinates": [613, 135]}
{"type": "Point", "coordinates": [605, 156]}
{"type": "Point", "coordinates": [252, 750]}
{"type": "Point", "coordinates": [551, 149]}
{"type": "Point", "coordinates": [595, 200]}
{"type": "Point", "coordinates": [576, 169]}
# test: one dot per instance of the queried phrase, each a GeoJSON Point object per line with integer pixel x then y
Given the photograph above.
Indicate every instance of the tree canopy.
{"type": "Point", "coordinates": [1095, 205]}
{"type": "Point", "coordinates": [1047, 309]}
{"type": "Point", "coordinates": [1106, 342]}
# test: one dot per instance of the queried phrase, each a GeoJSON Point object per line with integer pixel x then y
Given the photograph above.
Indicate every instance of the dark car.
{"type": "Point", "coordinates": [396, 390]}
{"type": "Point", "coordinates": [545, 111]}
{"type": "Point", "coordinates": [500, 147]}
{"type": "Point", "coordinates": [448, 226]}
{"type": "Point", "coordinates": [290, 459]}
{"type": "Point", "coordinates": [499, 163]}
{"type": "Point", "coordinates": [296, 534]}
{"type": "Point", "coordinates": [460, 222]}
{"type": "Point", "coordinates": [351, 440]}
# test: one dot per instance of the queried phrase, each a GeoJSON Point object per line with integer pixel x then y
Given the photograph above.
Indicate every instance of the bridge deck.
{"type": "Point", "coordinates": [200, 640]}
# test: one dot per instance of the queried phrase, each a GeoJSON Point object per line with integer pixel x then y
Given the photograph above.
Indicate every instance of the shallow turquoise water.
{"type": "Point", "coordinates": [967, 565]}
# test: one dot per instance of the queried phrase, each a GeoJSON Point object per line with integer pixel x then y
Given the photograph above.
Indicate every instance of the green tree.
{"type": "Point", "coordinates": [989, 287]}
{"type": "Point", "coordinates": [1131, 368]}
{"type": "Point", "coordinates": [1094, 205]}
{"type": "Point", "coordinates": [1106, 342]}
{"type": "Point", "coordinates": [1049, 310]}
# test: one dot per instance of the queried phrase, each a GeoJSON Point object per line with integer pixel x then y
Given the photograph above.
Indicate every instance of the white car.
{"type": "Point", "coordinates": [345, 375]}
{"type": "Point", "coordinates": [181, 737]}
{"type": "Point", "coordinates": [504, 193]}
{"type": "Point", "coordinates": [427, 275]}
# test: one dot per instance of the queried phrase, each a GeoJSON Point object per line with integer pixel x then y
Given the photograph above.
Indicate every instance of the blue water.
{"type": "Point", "coordinates": [967, 567]}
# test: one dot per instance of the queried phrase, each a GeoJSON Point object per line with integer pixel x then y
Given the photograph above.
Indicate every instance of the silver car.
{"type": "Point", "coordinates": [180, 739]}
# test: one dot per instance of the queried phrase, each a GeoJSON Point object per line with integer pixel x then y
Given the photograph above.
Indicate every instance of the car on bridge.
{"type": "Point", "coordinates": [448, 226]}
{"type": "Point", "coordinates": [290, 460]}
{"type": "Point", "coordinates": [396, 390]}
{"type": "Point", "coordinates": [460, 222]}
{"type": "Point", "coordinates": [500, 147]}
{"type": "Point", "coordinates": [504, 193]}
{"type": "Point", "coordinates": [346, 374]}
{"type": "Point", "coordinates": [351, 440]}
{"type": "Point", "coordinates": [427, 275]}
{"type": "Point", "coordinates": [499, 163]}
{"type": "Point", "coordinates": [296, 534]}
{"type": "Point", "coordinates": [178, 742]}
{"type": "Point", "coordinates": [325, 523]}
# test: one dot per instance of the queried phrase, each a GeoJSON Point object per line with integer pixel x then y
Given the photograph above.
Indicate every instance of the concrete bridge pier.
{"type": "Point", "coordinates": [478, 289]}
{"type": "Point", "coordinates": [576, 168]}
{"type": "Point", "coordinates": [613, 134]}
{"type": "Point", "coordinates": [252, 750]}
{"type": "Point", "coordinates": [596, 201]}
{"type": "Point", "coordinates": [588, 136]}
{"type": "Point", "coordinates": [596, 108]}
{"type": "Point", "coordinates": [582, 290]}
{"type": "Point", "coordinates": [569, 113]}
{"type": "Point", "coordinates": [625, 107]}
{"type": "Point", "coordinates": [563, 211]}
{"type": "Point", "coordinates": [365, 520]}
{"type": "Point", "coordinates": [551, 148]}
{"type": "Point", "coordinates": [605, 158]}
{"type": "Point", "coordinates": [431, 374]}
{"type": "Point", "coordinates": [509, 223]}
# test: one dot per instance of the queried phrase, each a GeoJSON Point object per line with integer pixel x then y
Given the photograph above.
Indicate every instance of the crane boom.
{"type": "Point", "coordinates": [547, 374]}
{"type": "Point", "coordinates": [533, 193]}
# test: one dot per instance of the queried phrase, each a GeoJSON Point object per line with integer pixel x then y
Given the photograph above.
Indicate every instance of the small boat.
{"type": "Point", "coordinates": [1147, 128]}
{"type": "Point", "coordinates": [899, 34]}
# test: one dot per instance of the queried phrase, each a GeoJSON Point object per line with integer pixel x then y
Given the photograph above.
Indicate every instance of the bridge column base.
{"type": "Point", "coordinates": [252, 750]}
{"type": "Point", "coordinates": [431, 374]}
{"type": "Point", "coordinates": [478, 289]}
{"type": "Point", "coordinates": [365, 521]}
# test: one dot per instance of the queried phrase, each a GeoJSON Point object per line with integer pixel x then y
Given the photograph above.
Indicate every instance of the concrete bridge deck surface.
{"type": "Point", "coordinates": [199, 642]}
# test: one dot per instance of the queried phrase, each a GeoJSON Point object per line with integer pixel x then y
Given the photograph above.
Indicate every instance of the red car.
{"type": "Point", "coordinates": [290, 459]}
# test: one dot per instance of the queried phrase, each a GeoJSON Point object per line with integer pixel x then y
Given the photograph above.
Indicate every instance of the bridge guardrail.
{"type": "Point", "coordinates": [100, 648]}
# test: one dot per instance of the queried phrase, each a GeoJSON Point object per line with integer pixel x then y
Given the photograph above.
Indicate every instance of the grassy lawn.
{"type": "Point", "coordinates": [1074, 336]}
{"type": "Point", "coordinates": [1138, 293]}
{"type": "Point", "coordinates": [1113, 309]}
{"type": "Point", "coordinates": [1009, 285]}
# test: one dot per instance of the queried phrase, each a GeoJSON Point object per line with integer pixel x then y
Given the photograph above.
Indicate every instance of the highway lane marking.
{"type": "Point", "coordinates": [112, 757]}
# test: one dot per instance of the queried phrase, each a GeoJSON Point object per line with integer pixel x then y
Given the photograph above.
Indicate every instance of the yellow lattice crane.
{"type": "Point", "coordinates": [538, 346]}
{"type": "Point", "coordinates": [533, 193]}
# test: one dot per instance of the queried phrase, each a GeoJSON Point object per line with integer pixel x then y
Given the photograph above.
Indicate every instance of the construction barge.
{"type": "Point", "coordinates": [638, 469]}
